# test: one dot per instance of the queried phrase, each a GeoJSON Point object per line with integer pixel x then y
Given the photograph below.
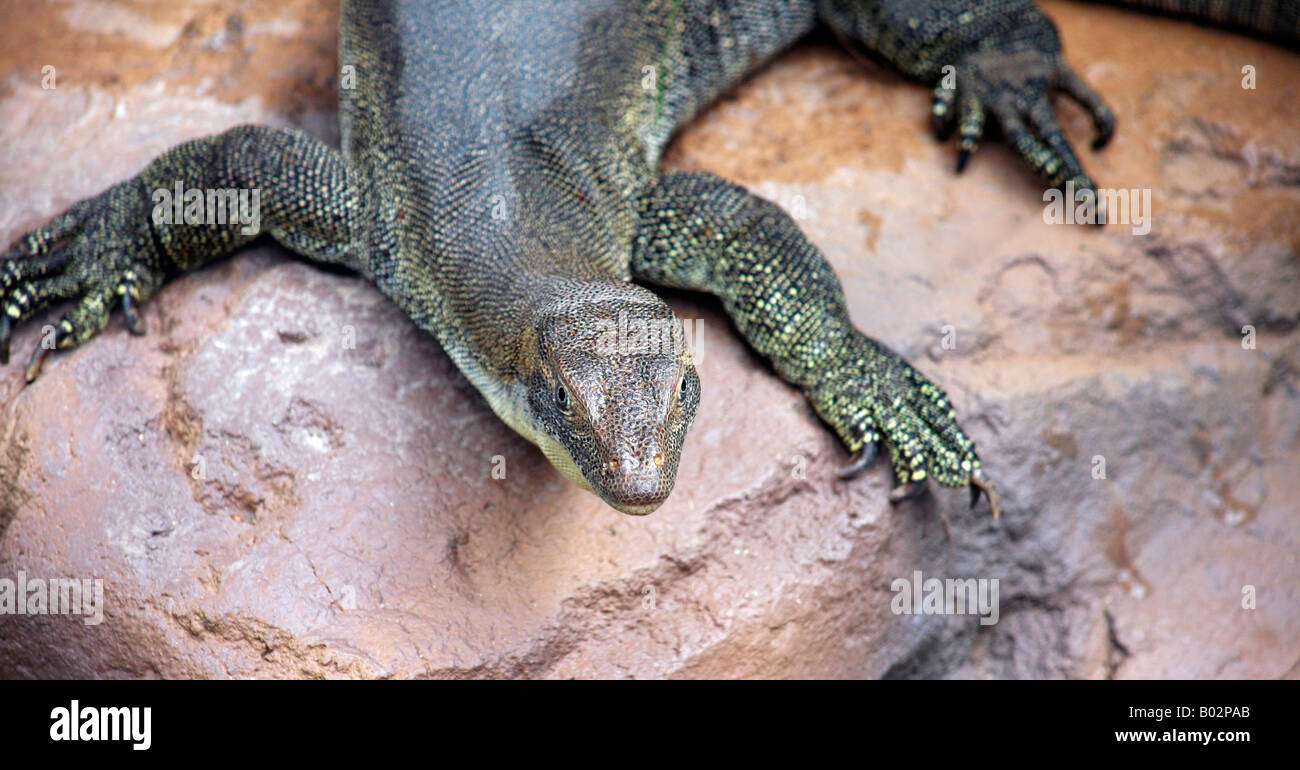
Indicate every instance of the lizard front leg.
{"type": "Point", "coordinates": [700, 232]}
{"type": "Point", "coordinates": [117, 248]}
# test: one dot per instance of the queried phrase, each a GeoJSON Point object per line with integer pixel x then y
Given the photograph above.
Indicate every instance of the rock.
{"type": "Point", "coordinates": [285, 478]}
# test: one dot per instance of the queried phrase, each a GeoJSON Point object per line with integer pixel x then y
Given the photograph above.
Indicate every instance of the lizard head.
{"type": "Point", "coordinates": [612, 395]}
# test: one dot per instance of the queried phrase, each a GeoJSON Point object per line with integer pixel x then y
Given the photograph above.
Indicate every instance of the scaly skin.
{"type": "Point", "coordinates": [498, 178]}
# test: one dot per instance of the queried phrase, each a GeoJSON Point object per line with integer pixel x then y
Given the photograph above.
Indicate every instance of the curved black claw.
{"type": "Point", "coordinates": [1083, 187]}
{"type": "Point", "coordinates": [34, 363]}
{"type": "Point", "coordinates": [132, 317]}
{"type": "Point", "coordinates": [909, 491]}
{"type": "Point", "coordinates": [858, 463]}
{"type": "Point", "coordinates": [6, 329]}
{"type": "Point", "coordinates": [979, 482]}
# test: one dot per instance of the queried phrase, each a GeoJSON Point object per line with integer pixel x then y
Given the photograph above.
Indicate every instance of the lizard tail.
{"type": "Point", "coordinates": [1277, 20]}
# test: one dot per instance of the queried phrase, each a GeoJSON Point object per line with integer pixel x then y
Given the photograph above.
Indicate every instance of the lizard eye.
{"type": "Point", "coordinates": [681, 387]}
{"type": "Point", "coordinates": [562, 398]}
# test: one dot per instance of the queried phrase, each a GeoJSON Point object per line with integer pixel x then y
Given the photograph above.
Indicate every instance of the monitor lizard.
{"type": "Point", "coordinates": [498, 178]}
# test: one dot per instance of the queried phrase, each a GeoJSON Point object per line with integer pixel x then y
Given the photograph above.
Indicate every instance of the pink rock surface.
{"type": "Point", "coordinates": [285, 478]}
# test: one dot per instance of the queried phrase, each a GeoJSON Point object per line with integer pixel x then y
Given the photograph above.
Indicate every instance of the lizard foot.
{"type": "Point", "coordinates": [100, 253]}
{"type": "Point", "coordinates": [875, 396]}
{"type": "Point", "coordinates": [1013, 79]}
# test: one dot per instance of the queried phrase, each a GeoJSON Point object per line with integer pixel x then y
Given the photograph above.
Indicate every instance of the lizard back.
{"type": "Point", "coordinates": [517, 137]}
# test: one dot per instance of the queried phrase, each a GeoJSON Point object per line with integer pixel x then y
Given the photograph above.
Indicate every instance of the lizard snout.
{"type": "Point", "coordinates": [637, 482]}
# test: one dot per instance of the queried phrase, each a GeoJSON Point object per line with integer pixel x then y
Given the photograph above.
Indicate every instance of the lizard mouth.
{"type": "Point", "coordinates": [638, 510]}
{"type": "Point", "coordinates": [639, 505]}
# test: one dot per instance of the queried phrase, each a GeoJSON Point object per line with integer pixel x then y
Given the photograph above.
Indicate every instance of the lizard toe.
{"type": "Point", "coordinates": [971, 129]}
{"type": "Point", "coordinates": [37, 359]}
{"type": "Point", "coordinates": [859, 462]}
{"type": "Point", "coordinates": [18, 267]}
{"type": "Point", "coordinates": [942, 112]}
{"type": "Point", "coordinates": [129, 310]}
{"type": "Point", "coordinates": [1103, 118]}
